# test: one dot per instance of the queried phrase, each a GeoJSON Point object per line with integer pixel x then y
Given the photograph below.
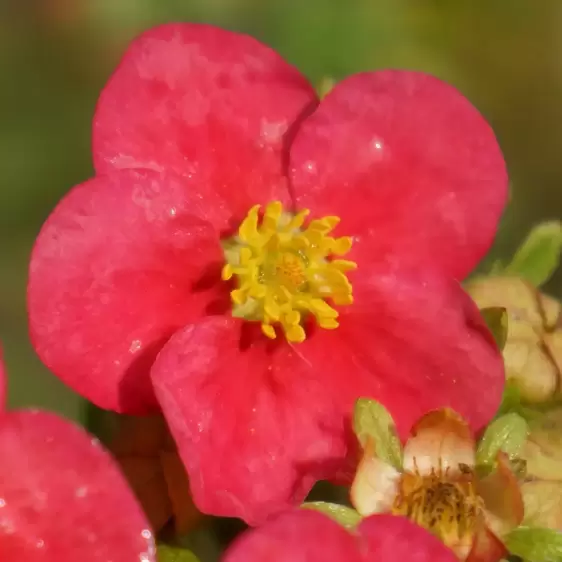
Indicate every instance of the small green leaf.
{"type": "Point", "coordinates": [511, 399]}
{"type": "Point", "coordinates": [173, 554]}
{"type": "Point", "coordinates": [496, 320]}
{"type": "Point", "coordinates": [535, 544]}
{"type": "Point", "coordinates": [345, 516]}
{"type": "Point", "coordinates": [539, 255]}
{"type": "Point", "coordinates": [507, 433]}
{"type": "Point", "coordinates": [372, 420]}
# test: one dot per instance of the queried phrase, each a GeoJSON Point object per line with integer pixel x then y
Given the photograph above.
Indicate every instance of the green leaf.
{"type": "Point", "coordinates": [507, 433]}
{"type": "Point", "coordinates": [173, 554]}
{"type": "Point", "coordinates": [511, 399]}
{"type": "Point", "coordinates": [371, 420]}
{"type": "Point", "coordinates": [496, 320]}
{"type": "Point", "coordinates": [539, 255]}
{"type": "Point", "coordinates": [535, 544]}
{"type": "Point", "coordinates": [345, 516]}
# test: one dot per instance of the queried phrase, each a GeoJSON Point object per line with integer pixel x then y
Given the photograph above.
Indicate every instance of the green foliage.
{"type": "Point", "coordinates": [512, 402]}
{"type": "Point", "coordinates": [345, 516]}
{"type": "Point", "coordinates": [535, 544]}
{"type": "Point", "coordinates": [371, 420]}
{"type": "Point", "coordinates": [511, 399]}
{"type": "Point", "coordinates": [538, 257]}
{"type": "Point", "coordinates": [506, 433]}
{"type": "Point", "coordinates": [496, 320]}
{"type": "Point", "coordinates": [173, 554]}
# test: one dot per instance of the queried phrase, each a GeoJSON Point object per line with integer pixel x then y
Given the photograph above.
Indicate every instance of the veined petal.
{"type": "Point", "coordinates": [503, 501]}
{"type": "Point", "coordinates": [62, 496]}
{"type": "Point", "coordinates": [375, 485]}
{"type": "Point", "coordinates": [204, 102]}
{"type": "Point", "coordinates": [409, 165]}
{"type": "Point", "coordinates": [121, 263]}
{"type": "Point", "coordinates": [440, 441]}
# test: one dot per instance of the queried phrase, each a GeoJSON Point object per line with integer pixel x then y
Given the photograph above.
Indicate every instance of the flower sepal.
{"type": "Point", "coordinates": [535, 544]}
{"type": "Point", "coordinates": [173, 554]}
{"type": "Point", "coordinates": [373, 426]}
{"type": "Point", "coordinates": [342, 514]}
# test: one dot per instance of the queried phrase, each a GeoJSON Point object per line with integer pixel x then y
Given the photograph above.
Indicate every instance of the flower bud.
{"type": "Point", "coordinates": [542, 489]}
{"type": "Point", "coordinates": [533, 350]}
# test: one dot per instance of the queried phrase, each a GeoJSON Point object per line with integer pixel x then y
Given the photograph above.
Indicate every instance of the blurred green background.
{"type": "Point", "coordinates": [55, 56]}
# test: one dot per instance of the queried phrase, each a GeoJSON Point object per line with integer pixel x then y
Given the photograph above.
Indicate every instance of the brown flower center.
{"type": "Point", "coordinates": [443, 503]}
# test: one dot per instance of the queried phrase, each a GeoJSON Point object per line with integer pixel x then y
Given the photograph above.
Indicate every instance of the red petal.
{"type": "Point", "coordinates": [62, 498]}
{"type": "Point", "coordinates": [396, 539]}
{"type": "Point", "coordinates": [255, 428]}
{"type": "Point", "coordinates": [121, 263]}
{"type": "Point", "coordinates": [200, 100]}
{"type": "Point", "coordinates": [425, 345]}
{"type": "Point", "coordinates": [487, 547]}
{"type": "Point", "coordinates": [409, 165]}
{"type": "Point", "coordinates": [297, 536]}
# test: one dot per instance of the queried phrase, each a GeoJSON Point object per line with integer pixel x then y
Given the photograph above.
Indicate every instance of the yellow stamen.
{"type": "Point", "coordinates": [284, 272]}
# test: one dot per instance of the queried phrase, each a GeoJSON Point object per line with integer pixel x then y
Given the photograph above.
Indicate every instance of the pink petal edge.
{"type": "Point", "coordinates": [121, 263]}
{"type": "Point", "coordinates": [57, 488]}
{"type": "Point", "coordinates": [205, 103]}
{"type": "Point", "coordinates": [409, 165]}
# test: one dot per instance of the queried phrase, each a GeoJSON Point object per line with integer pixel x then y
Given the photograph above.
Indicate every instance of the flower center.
{"type": "Point", "coordinates": [285, 272]}
{"type": "Point", "coordinates": [446, 506]}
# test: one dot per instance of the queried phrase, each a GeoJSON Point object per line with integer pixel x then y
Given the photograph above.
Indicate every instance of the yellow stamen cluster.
{"type": "Point", "coordinates": [444, 503]}
{"type": "Point", "coordinates": [284, 272]}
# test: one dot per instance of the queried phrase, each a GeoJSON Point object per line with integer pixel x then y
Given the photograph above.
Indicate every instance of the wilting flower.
{"type": "Point", "coordinates": [542, 488]}
{"type": "Point", "coordinates": [193, 242]}
{"type": "Point", "coordinates": [533, 350]}
{"type": "Point", "coordinates": [61, 495]}
{"type": "Point", "coordinates": [309, 536]}
{"type": "Point", "coordinates": [438, 488]}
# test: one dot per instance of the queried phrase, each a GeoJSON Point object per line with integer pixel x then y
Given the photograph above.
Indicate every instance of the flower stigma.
{"type": "Point", "coordinates": [445, 504]}
{"type": "Point", "coordinates": [284, 272]}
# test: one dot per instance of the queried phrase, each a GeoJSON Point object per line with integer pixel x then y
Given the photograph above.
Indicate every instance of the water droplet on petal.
{"type": "Point", "coordinates": [135, 346]}
{"type": "Point", "coordinates": [310, 166]}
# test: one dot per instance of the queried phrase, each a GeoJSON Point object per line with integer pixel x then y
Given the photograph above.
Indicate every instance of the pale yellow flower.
{"type": "Point", "coordinates": [438, 488]}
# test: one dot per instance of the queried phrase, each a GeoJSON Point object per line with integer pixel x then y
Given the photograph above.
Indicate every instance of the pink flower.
{"type": "Point", "coordinates": [61, 496]}
{"type": "Point", "coordinates": [208, 149]}
{"type": "Point", "coordinates": [309, 536]}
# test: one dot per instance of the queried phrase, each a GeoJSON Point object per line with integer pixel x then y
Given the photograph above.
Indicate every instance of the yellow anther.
{"type": "Point", "coordinates": [284, 271]}
{"type": "Point", "coordinates": [227, 272]}
{"type": "Point", "coordinates": [341, 246]}
{"type": "Point", "coordinates": [249, 227]}
{"type": "Point", "coordinates": [344, 265]}
{"type": "Point", "coordinates": [269, 331]}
